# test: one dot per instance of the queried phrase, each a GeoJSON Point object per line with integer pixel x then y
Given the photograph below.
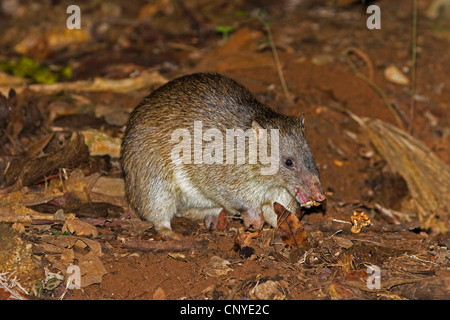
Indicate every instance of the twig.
{"type": "Point", "coordinates": [10, 285]}
{"type": "Point", "coordinates": [277, 63]}
{"type": "Point", "coordinates": [98, 84]}
{"type": "Point", "coordinates": [413, 68]}
{"type": "Point", "coordinates": [8, 216]}
{"type": "Point", "coordinates": [341, 221]}
{"type": "Point", "coordinates": [422, 260]}
{"type": "Point", "coordinates": [370, 82]}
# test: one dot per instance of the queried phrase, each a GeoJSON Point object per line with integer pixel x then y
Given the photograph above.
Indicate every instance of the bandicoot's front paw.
{"type": "Point", "coordinates": [253, 219]}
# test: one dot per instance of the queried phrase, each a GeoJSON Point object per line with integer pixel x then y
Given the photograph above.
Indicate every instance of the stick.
{"type": "Point", "coordinates": [277, 63]}
{"type": "Point", "coordinates": [413, 68]}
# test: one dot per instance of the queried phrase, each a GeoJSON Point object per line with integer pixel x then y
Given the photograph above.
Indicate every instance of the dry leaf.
{"type": "Point", "coordinates": [217, 267]}
{"type": "Point", "coordinates": [222, 222]}
{"type": "Point", "coordinates": [289, 227]}
{"type": "Point", "coordinates": [180, 256]}
{"type": "Point", "coordinates": [343, 242]}
{"type": "Point", "coordinates": [242, 243]}
{"type": "Point", "coordinates": [339, 291]}
{"type": "Point", "coordinates": [269, 290]}
{"type": "Point", "coordinates": [76, 185]}
{"type": "Point", "coordinates": [245, 239]}
{"type": "Point", "coordinates": [237, 54]}
{"type": "Point", "coordinates": [145, 79]}
{"type": "Point", "coordinates": [92, 269]}
{"type": "Point", "coordinates": [94, 246]}
{"type": "Point", "coordinates": [100, 143]}
{"type": "Point", "coordinates": [109, 186]}
{"type": "Point", "coordinates": [80, 228]}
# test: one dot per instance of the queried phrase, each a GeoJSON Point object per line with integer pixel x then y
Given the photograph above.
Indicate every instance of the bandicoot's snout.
{"type": "Point", "coordinates": [319, 196]}
{"type": "Point", "coordinates": [311, 196]}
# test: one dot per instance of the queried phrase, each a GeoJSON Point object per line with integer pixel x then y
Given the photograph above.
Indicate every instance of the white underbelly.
{"type": "Point", "coordinates": [188, 195]}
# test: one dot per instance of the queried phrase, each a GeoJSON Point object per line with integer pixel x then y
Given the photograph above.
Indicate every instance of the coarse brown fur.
{"type": "Point", "coordinates": [157, 188]}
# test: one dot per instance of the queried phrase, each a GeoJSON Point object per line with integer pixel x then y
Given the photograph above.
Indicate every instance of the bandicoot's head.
{"type": "Point", "coordinates": [297, 170]}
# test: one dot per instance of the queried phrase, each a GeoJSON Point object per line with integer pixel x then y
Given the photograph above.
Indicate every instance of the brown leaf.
{"type": "Point", "coordinates": [92, 270]}
{"type": "Point", "coordinates": [245, 239]}
{"type": "Point", "coordinates": [80, 228]}
{"type": "Point", "coordinates": [268, 290]}
{"type": "Point", "coordinates": [343, 242]}
{"type": "Point", "coordinates": [222, 222]}
{"type": "Point", "coordinates": [100, 143]}
{"type": "Point", "coordinates": [289, 227]}
{"type": "Point", "coordinates": [217, 267]}
{"type": "Point", "coordinates": [339, 291]}
{"type": "Point", "coordinates": [94, 246]}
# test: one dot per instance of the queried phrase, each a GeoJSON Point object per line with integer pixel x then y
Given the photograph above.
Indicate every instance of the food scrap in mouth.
{"type": "Point", "coordinates": [310, 203]}
{"type": "Point", "coordinates": [305, 201]}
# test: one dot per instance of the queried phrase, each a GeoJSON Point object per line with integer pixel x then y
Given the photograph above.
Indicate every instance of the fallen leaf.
{"type": "Point", "coordinates": [100, 143]}
{"type": "Point", "coordinates": [268, 290]}
{"type": "Point", "coordinates": [60, 241]}
{"type": "Point", "coordinates": [237, 54]}
{"type": "Point", "coordinates": [94, 246]}
{"type": "Point", "coordinates": [245, 239]}
{"type": "Point", "coordinates": [77, 187]}
{"type": "Point", "coordinates": [92, 270]}
{"type": "Point", "coordinates": [222, 222]}
{"type": "Point", "coordinates": [113, 187]}
{"type": "Point", "coordinates": [80, 228]}
{"type": "Point", "coordinates": [180, 256]}
{"type": "Point", "coordinates": [145, 79]}
{"type": "Point", "coordinates": [338, 163]}
{"type": "Point", "coordinates": [217, 267]}
{"type": "Point", "coordinates": [290, 228]}
{"type": "Point", "coordinates": [339, 291]}
{"type": "Point", "coordinates": [343, 242]}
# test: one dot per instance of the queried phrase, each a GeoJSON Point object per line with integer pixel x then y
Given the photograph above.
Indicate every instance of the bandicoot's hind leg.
{"type": "Point", "coordinates": [158, 206]}
{"type": "Point", "coordinates": [160, 213]}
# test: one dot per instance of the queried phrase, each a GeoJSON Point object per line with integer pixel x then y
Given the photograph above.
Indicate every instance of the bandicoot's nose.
{"type": "Point", "coordinates": [319, 197]}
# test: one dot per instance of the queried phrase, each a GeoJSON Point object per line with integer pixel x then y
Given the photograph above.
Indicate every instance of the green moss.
{"type": "Point", "coordinates": [28, 68]}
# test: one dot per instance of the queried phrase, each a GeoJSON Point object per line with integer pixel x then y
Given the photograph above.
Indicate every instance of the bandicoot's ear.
{"type": "Point", "coordinates": [302, 119]}
{"type": "Point", "coordinates": [259, 130]}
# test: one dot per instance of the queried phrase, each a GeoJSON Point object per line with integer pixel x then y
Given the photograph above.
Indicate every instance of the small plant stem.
{"type": "Point", "coordinates": [277, 63]}
{"type": "Point", "coordinates": [413, 67]}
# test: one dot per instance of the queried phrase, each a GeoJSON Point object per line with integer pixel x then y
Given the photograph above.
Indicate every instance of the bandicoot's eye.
{"type": "Point", "coordinates": [289, 163]}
